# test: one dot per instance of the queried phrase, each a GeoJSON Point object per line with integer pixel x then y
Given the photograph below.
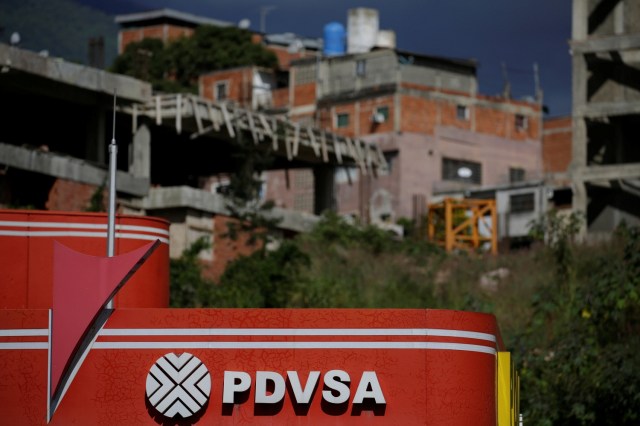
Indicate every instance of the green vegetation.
{"type": "Point", "coordinates": [569, 313]}
{"type": "Point", "coordinates": [97, 202]}
{"type": "Point", "coordinates": [177, 65]}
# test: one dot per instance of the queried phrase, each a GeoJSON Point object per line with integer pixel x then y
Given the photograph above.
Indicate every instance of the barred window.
{"type": "Point", "coordinates": [522, 203]}
{"type": "Point", "coordinates": [221, 91]}
{"type": "Point", "coordinates": [516, 174]}
{"type": "Point", "coordinates": [462, 112]}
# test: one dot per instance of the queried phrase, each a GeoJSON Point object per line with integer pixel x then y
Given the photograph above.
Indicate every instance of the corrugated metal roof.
{"type": "Point", "coordinates": [132, 18]}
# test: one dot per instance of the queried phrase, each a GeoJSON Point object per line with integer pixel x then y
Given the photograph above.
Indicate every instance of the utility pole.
{"type": "Point", "coordinates": [111, 223]}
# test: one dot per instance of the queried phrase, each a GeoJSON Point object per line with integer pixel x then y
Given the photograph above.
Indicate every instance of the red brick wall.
{"type": "Point", "coordinates": [492, 122]}
{"type": "Point", "coordinates": [304, 94]}
{"type": "Point", "coordinates": [285, 57]}
{"type": "Point", "coordinates": [163, 32]}
{"type": "Point", "coordinates": [174, 32]}
{"type": "Point", "coordinates": [367, 108]}
{"type": "Point", "coordinates": [497, 122]}
{"type": "Point", "coordinates": [422, 115]}
{"type": "Point", "coordinates": [280, 97]}
{"type": "Point", "coordinates": [239, 84]}
{"type": "Point", "coordinates": [556, 144]}
{"type": "Point", "coordinates": [449, 116]}
{"type": "Point", "coordinates": [418, 115]}
{"type": "Point", "coordinates": [360, 117]}
{"type": "Point", "coordinates": [71, 196]}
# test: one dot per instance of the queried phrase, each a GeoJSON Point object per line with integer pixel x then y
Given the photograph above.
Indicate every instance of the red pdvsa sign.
{"type": "Point", "coordinates": [179, 386]}
{"type": "Point", "coordinates": [236, 366]}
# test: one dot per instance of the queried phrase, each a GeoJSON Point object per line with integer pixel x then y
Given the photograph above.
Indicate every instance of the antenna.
{"type": "Point", "coordinates": [263, 17]}
{"type": "Point", "coordinates": [113, 156]}
{"type": "Point", "coordinates": [506, 91]}
{"type": "Point", "coordinates": [536, 80]}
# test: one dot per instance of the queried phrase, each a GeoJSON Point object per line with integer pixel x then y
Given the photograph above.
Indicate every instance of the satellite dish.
{"type": "Point", "coordinates": [244, 24]}
{"type": "Point", "coordinates": [465, 172]}
{"type": "Point", "coordinates": [15, 39]}
{"type": "Point", "coordinates": [377, 118]}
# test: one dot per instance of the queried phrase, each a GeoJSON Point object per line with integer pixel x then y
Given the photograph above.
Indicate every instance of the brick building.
{"type": "Point", "coordinates": [438, 133]}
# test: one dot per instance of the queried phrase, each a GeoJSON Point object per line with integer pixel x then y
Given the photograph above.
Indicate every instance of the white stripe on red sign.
{"type": "Point", "coordinates": [295, 345]}
{"type": "Point", "coordinates": [286, 332]}
{"type": "Point", "coordinates": [135, 232]}
{"type": "Point", "coordinates": [297, 332]}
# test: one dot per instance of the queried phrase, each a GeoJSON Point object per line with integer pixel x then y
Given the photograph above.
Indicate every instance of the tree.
{"type": "Point", "coordinates": [580, 354]}
{"type": "Point", "coordinates": [188, 288]}
{"type": "Point", "coordinates": [177, 65]}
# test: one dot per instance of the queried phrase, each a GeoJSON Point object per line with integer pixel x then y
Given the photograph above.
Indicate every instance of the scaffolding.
{"type": "Point", "coordinates": [466, 224]}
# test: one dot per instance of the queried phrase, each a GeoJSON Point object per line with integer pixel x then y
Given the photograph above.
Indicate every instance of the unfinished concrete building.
{"type": "Point", "coordinates": [57, 121]}
{"type": "Point", "coordinates": [605, 168]}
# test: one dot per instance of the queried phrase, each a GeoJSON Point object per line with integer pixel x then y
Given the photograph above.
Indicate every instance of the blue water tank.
{"type": "Point", "coordinates": [334, 39]}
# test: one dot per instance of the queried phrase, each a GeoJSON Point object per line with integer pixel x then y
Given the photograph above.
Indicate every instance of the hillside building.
{"type": "Point", "coordinates": [438, 133]}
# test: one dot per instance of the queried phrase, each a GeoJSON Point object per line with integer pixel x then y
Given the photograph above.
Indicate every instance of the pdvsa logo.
{"type": "Point", "coordinates": [179, 386]}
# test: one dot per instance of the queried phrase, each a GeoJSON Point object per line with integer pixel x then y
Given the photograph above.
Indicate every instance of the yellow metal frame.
{"type": "Point", "coordinates": [461, 220]}
{"type": "Point", "coordinates": [508, 388]}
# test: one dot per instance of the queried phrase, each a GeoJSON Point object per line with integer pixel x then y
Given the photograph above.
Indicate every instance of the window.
{"type": "Point", "coordinates": [220, 92]}
{"type": "Point", "coordinates": [461, 170]}
{"type": "Point", "coordinates": [390, 157]}
{"type": "Point", "coordinates": [342, 120]}
{"type": "Point", "coordinates": [381, 114]}
{"type": "Point", "coordinates": [522, 203]}
{"type": "Point", "coordinates": [516, 174]}
{"type": "Point", "coordinates": [462, 112]}
{"type": "Point", "coordinates": [521, 122]}
{"type": "Point", "coordinates": [361, 67]}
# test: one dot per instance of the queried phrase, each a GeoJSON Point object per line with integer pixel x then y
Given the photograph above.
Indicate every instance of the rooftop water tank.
{"type": "Point", "coordinates": [334, 39]}
{"type": "Point", "coordinates": [386, 39]}
{"type": "Point", "coordinates": [363, 24]}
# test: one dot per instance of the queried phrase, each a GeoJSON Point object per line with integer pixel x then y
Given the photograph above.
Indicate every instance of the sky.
{"type": "Point", "coordinates": [516, 33]}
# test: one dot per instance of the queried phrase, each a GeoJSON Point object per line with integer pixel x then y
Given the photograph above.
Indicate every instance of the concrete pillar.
{"type": "Point", "coordinates": [580, 14]}
{"type": "Point", "coordinates": [140, 159]}
{"type": "Point", "coordinates": [324, 189]}
{"type": "Point", "coordinates": [580, 203]}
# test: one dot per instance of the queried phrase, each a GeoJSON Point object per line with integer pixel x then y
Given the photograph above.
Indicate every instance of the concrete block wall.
{"type": "Point", "coordinates": [435, 77]}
